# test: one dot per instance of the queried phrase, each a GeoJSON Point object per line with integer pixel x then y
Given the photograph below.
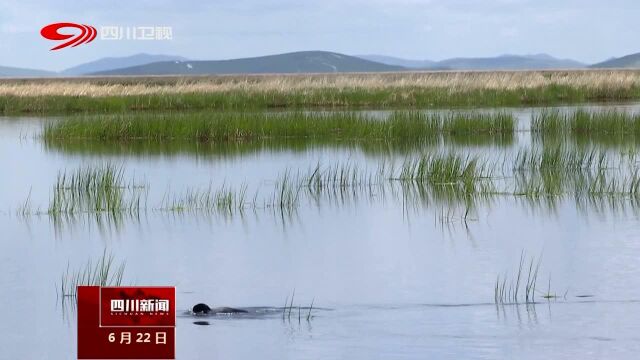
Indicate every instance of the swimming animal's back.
{"type": "Point", "coordinates": [227, 310]}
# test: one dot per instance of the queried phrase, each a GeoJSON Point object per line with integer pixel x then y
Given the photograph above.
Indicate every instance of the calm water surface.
{"type": "Point", "coordinates": [393, 282]}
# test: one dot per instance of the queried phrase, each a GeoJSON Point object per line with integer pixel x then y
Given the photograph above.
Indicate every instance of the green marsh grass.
{"type": "Point", "coordinates": [237, 127]}
{"type": "Point", "coordinates": [230, 150]}
{"type": "Point", "coordinates": [408, 126]}
{"type": "Point", "coordinates": [549, 122]}
{"type": "Point", "coordinates": [583, 126]}
{"type": "Point", "coordinates": [584, 122]}
{"type": "Point", "coordinates": [461, 124]}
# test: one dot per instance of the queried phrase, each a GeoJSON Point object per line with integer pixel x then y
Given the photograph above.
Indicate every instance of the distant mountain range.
{"type": "Point", "coordinates": [390, 60]}
{"type": "Point", "coordinates": [104, 64]}
{"type": "Point", "coordinates": [6, 71]}
{"type": "Point", "coordinates": [629, 61]}
{"type": "Point", "coordinates": [111, 63]}
{"type": "Point", "coordinates": [296, 62]}
{"type": "Point", "coordinates": [510, 62]}
{"type": "Point", "coordinates": [504, 62]}
{"type": "Point", "coordinates": [310, 62]}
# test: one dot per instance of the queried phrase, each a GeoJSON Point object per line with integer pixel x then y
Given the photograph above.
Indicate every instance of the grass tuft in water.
{"type": "Point", "coordinates": [443, 170]}
{"type": "Point", "coordinates": [224, 200]}
{"type": "Point", "coordinates": [95, 189]}
{"type": "Point", "coordinates": [466, 124]}
{"type": "Point", "coordinates": [583, 124]}
{"type": "Point", "coordinates": [103, 272]}
{"type": "Point", "coordinates": [286, 196]}
{"type": "Point", "coordinates": [26, 208]}
{"type": "Point", "coordinates": [509, 290]}
{"type": "Point", "coordinates": [559, 158]}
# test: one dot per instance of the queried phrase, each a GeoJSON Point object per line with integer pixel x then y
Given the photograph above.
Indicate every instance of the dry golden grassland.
{"type": "Point", "coordinates": [381, 90]}
{"type": "Point", "coordinates": [452, 81]}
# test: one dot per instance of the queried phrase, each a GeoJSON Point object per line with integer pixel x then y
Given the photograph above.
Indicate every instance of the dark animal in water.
{"type": "Point", "coordinates": [204, 309]}
{"type": "Point", "coordinates": [201, 309]}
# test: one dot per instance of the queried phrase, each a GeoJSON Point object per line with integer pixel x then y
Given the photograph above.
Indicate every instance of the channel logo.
{"type": "Point", "coordinates": [52, 32]}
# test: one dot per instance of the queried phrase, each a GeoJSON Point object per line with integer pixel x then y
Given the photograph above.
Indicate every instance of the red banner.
{"type": "Point", "coordinates": [126, 322]}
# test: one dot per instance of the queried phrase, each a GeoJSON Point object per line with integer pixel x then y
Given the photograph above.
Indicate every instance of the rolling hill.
{"type": "Point", "coordinates": [112, 63]}
{"type": "Point", "coordinates": [296, 62]}
{"type": "Point", "coordinates": [309, 62]}
{"type": "Point", "coordinates": [511, 62]}
{"type": "Point", "coordinates": [630, 61]}
{"type": "Point", "coordinates": [504, 62]}
{"type": "Point", "coordinates": [396, 61]}
{"type": "Point", "coordinates": [6, 71]}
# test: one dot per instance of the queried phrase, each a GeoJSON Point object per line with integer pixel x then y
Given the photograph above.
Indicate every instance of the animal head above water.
{"type": "Point", "coordinates": [201, 309]}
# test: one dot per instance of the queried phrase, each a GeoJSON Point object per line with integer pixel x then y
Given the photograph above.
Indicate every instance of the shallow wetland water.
{"type": "Point", "coordinates": [394, 270]}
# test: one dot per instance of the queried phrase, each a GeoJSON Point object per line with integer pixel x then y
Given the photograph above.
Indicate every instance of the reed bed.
{"type": "Point", "coordinates": [410, 126]}
{"type": "Point", "coordinates": [379, 90]}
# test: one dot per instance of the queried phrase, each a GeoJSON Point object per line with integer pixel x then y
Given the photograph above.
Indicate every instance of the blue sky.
{"type": "Point", "coordinates": [586, 30]}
